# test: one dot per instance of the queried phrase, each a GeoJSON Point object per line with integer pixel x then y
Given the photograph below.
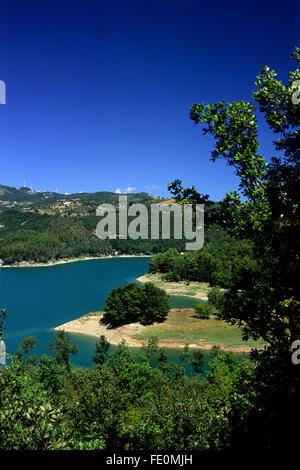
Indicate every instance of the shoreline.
{"type": "Point", "coordinates": [192, 290]}
{"type": "Point", "coordinates": [90, 325]}
{"type": "Point", "coordinates": [28, 264]}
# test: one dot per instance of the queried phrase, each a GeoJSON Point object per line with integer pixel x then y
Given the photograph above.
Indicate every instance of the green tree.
{"type": "Point", "coordinates": [216, 298]}
{"type": "Point", "coordinates": [221, 373]}
{"type": "Point", "coordinates": [155, 304]}
{"type": "Point", "coordinates": [123, 304]}
{"type": "Point", "coordinates": [264, 300]}
{"type": "Point", "coordinates": [132, 303]}
{"type": "Point", "coordinates": [151, 348]}
{"type": "Point", "coordinates": [26, 347]}
{"type": "Point", "coordinates": [195, 358]}
{"type": "Point", "coordinates": [62, 348]}
{"type": "Point", "coordinates": [270, 213]}
{"type": "Point", "coordinates": [102, 347]}
{"type": "Point", "coordinates": [203, 311]}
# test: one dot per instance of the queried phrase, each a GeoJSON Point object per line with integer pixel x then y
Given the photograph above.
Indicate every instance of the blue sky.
{"type": "Point", "coordinates": [98, 93]}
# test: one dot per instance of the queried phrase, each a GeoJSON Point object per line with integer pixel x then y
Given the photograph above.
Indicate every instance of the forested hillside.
{"type": "Point", "coordinates": [50, 229]}
{"type": "Point", "coordinates": [222, 260]}
{"type": "Point", "coordinates": [41, 238]}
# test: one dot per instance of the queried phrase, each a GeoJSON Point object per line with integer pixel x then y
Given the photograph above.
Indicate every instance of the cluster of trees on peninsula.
{"type": "Point", "coordinates": [136, 303]}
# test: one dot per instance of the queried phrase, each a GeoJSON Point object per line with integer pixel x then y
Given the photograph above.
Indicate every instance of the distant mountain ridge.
{"type": "Point", "coordinates": [26, 199]}
{"type": "Point", "coordinates": [11, 194]}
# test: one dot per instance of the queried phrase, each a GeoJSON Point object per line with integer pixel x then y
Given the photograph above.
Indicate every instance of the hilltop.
{"type": "Point", "coordinates": [48, 202]}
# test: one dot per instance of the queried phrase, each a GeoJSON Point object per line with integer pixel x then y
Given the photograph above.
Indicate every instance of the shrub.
{"type": "Point", "coordinates": [203, 311]}
{"type": "Point", "coordinates": [216, 297]}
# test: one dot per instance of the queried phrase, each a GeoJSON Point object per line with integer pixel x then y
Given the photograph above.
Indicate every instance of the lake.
{"type": "Point", "coordinates": [39, 299]}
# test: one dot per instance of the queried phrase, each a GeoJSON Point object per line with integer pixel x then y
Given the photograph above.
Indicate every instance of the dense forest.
{"type": "Point", "coordinates": [46, 226]}
{"type": "Point", "coordinates": [41, 238]}
{"type": "Point", "coordinates": [42, 227]}
{"type": "Point", "coordinates": [222, 260]}
{"type": "Point", "coordinates": [32, 236]}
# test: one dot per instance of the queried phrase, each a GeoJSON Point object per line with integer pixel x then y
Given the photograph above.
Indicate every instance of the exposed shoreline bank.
{"type": "Point", "coordinates": [28, 264]}
{"type": "Point", "coordinates": [192, 289]}
{"type": "Point", "coordinates": [136, 335]}
{"type": "Point", "coordinates": [180, 328]}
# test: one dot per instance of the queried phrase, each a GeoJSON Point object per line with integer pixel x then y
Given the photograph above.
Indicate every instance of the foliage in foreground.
{"type": "Point", "coordinates": [264, 299]}
{"type": "Point", "coordinates": [123, 402]}
{"type": "Point", "coordinates": [126, 401]}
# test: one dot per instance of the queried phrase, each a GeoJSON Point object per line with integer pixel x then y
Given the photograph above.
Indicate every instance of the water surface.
{"type": "Point", "coordinates": [39, 299]}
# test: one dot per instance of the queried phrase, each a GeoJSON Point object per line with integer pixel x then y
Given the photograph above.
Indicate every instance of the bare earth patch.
{"type": "Point", "coordinates": [90, 325]}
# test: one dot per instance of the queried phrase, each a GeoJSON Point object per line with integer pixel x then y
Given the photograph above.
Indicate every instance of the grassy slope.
{"type": "Point", "coordinates": [197, 290]}
{"type": "Point", "coordinates": [182, 326]}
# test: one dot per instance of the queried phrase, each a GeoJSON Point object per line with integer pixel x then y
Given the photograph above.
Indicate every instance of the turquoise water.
{"type": "Point", "coordinates": [39, 299]}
